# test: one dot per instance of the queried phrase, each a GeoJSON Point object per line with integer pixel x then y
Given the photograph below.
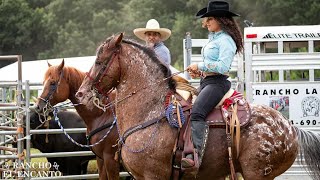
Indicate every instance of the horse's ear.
{"type": "Point", "coordinates": [116, 40]}
{"type": "Point", "coordinates": [48, 64]}
{"type": "Point", "coordinates": [60, 67]}
{"type": "Point", "coordinates": [119, 39]}
{"type": "Point", "coordinates": [34, 99]}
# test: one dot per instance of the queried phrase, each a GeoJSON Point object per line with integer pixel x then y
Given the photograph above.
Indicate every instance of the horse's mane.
{"type": "Point", "coordinates": [151, 53]}
{"type": "Point", "coordinates": [71, 74]}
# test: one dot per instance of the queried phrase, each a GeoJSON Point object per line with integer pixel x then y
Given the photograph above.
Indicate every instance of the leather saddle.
{"type": "Point", "coordinates": [222, 113]}
{"type": "Point", "coordinates": [232, 104]}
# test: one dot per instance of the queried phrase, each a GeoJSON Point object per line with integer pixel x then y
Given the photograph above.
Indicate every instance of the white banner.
{"type": "Point", "coordinates": [298, 102]}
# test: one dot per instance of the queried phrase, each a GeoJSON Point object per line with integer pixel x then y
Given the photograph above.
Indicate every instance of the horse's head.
{"type": "Point", "coordinates": [105, 73]}
{"type": "Point", "coordinates": [55, 87]}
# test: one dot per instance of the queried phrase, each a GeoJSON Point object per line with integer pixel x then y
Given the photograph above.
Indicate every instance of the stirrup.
{"type": "Point", "coordinates": [187, 162]}
{"type": "Point", "coordinates": [189, 167]}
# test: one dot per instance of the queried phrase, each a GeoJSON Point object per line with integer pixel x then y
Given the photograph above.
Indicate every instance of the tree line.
{"type": "Point", "coordinates": [44, 29]}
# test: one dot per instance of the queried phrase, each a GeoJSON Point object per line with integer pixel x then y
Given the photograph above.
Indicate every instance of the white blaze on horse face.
{"type": "Point", "coordinates": [273, 130]}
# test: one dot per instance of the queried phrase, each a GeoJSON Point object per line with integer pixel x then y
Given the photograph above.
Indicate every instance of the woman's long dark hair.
{"type": "Point", "coordinates": [229, 25]}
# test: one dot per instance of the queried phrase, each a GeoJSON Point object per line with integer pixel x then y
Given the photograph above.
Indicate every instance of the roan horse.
{"type": "Point", "coordinates": [61, 83]}
{"type": "Point", "coordinates": [48, 143]}
{"type": "Point", "coordinates": [269, 143]}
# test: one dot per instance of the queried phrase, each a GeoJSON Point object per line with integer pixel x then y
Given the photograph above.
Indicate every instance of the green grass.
{"type": "Point", "coordinates": [92, 167]}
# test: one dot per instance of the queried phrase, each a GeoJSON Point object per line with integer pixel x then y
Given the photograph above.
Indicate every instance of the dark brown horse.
{"type": "Point", "coordinates": [61, 83]}
{"type": "Point", "coordinates": [269, 143]}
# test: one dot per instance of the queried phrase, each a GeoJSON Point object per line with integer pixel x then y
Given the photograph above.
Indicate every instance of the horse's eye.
{"type": "Point", "coordinates": [52, 83]}
{"type": "Point", "coordinates": [98, 63]}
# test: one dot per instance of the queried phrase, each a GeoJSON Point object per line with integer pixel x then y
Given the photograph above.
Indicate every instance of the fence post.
{"type": "Point", "coordinates": [27, 122]}
{"type": "Point", "coordinates": [188, 46]}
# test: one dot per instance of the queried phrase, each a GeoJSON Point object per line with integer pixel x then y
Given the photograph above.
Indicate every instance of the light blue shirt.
{"type": "Point", "coordinates": [218, 53]}
{"type": "Point", "coordinates": [163, 53]}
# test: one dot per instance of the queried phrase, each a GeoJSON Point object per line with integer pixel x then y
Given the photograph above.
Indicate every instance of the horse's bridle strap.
{"type": "Point", "coordinates": [105, 68]}
{"type": "Point", "coordinates": [138, 127]}
{"type": "Point", "coordinates": [92, 133]}
{"type": "Point", "coordinates": [102, 72]}
{"type": "Point", "coordinates": [52, 89]}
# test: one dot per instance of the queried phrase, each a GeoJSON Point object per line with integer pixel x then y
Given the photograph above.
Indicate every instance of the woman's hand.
{"type": "Point", "coordinates": [193, 71]}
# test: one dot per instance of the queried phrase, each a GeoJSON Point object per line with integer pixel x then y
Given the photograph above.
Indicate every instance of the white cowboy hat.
{"type": "Point", "coordinates": [152, 25]}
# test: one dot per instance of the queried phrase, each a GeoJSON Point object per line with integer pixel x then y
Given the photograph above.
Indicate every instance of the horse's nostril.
{"type": "Point", "coordinates": [79, 94]}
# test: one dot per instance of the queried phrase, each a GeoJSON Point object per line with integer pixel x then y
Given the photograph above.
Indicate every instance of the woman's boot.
{"type": "Point", "coordinates": [200, 132]}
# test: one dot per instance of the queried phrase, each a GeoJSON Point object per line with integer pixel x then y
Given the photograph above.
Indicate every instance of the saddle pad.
{"type": "Point", "coordinates": [227, 95]}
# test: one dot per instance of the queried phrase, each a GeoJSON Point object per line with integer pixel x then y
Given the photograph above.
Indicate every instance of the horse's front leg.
{"type": "Point", "coordinates": [112, 166]}
{"type": "Point", "coordinates": [101, 169]}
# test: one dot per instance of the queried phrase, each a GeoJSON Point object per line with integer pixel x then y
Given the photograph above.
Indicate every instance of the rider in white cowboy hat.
{"type": "Point", "coordinates": [154, 36]}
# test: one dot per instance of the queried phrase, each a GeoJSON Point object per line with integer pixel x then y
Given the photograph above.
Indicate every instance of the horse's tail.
{"type": "Point", "coordinates": [309, 143]}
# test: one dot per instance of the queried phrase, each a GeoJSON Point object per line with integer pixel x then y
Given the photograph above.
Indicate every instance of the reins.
{"type": "Point", "coordinates": [96, 89]}
{"type": "Point", "coordinates": [56, 118]}
{"type": "Point", "coordinates": [48, 107]}
{"type": "Point", "coordinates": [98, 104]}
{"type": "Point", "coordinates": [175, 74]}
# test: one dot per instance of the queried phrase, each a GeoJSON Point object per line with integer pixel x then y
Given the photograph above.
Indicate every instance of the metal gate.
{"type": "Point", "coordinates": [14, 104]}
{"type": "Point", "coordinates": [282, 70]}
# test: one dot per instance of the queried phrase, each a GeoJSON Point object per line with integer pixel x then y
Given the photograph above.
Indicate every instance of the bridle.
{"type": "Point", "coordinates": [96, 87]}
{"type": "Point", "coordinates": [52, 90]}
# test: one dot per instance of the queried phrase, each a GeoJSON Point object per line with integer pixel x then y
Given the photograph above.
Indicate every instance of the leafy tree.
{"type": "Point", "coordinates": [22, 29]}
{"type": "Point", "coordinates": [61, 28]}
{"type": "Point", "coordinates": [278, 13]}
{"type": "Point", "coordinates": [79, 26]}
{"type": "Point", "coordinates": [34, 4]}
